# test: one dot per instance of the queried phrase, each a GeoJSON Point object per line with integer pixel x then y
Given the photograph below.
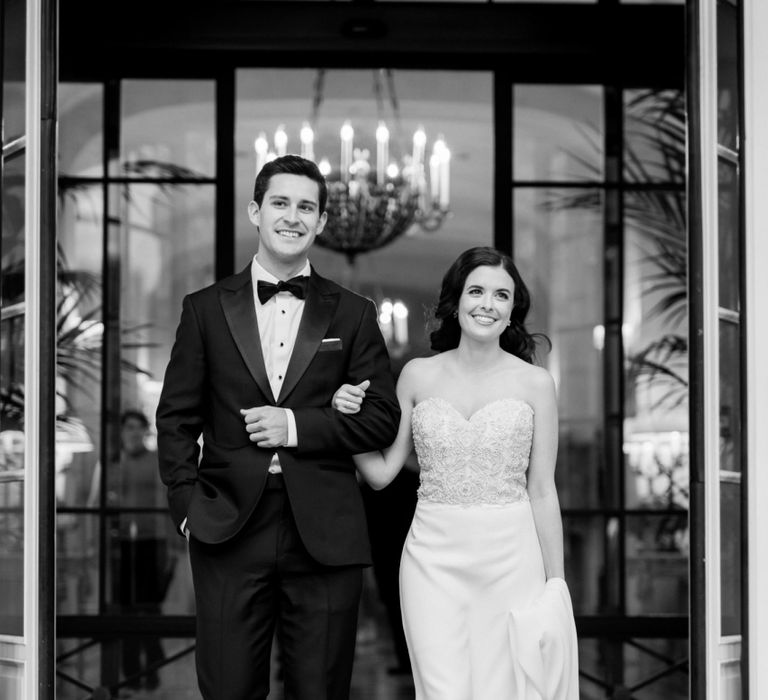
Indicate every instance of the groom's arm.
{"type": "Point", "coordinates": [375, 425]}
{"type": "Point", "coordinates": [179, 417]}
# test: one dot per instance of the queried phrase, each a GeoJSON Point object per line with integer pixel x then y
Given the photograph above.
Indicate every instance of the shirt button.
{"type": "Point", "coordinates": [279, 376]}
{"type": "Point", "coordinates": [281, 344]}
{"type": "Point", "coordinates": [283, 311]}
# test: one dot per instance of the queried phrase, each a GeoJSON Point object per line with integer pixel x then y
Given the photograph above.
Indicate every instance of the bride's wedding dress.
{"type": "Point", "coordinates": [480, 621]}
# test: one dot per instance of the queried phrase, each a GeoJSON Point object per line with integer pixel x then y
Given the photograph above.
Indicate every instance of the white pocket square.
{"type": "Point", "coordinates": [330, 344]}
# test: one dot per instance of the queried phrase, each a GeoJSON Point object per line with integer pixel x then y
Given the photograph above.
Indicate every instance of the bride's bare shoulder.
{"type": "Point", "coordinates": [420, 372]}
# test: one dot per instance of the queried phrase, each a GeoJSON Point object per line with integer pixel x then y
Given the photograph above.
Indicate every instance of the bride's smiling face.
{"type": "Point", "coordinates": [486, 302]}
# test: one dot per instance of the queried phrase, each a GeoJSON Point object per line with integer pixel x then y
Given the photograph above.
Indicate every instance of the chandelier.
{"type": "Point", "coordinates": [372, 198]}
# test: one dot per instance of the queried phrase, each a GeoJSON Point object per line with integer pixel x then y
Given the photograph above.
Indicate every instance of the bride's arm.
{"type": "Point", "coordinates": [380, 468]}
{"type": "Point", "coordinates": [541, 475]}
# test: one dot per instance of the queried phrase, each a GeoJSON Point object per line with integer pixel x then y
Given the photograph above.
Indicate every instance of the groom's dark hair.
{"type": "Point", "coordinates": [290, 165]}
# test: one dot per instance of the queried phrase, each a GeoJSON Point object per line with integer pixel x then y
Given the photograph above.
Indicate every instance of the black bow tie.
{"type": "Point", "coordinates": [296, 286]}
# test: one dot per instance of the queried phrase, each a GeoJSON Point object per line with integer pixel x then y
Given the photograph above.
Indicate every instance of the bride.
{"type": "Point", "coordinates": [486, 611]}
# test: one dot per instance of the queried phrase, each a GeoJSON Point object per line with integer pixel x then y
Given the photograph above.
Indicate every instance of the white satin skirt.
{"type": "Point", "coordinates": [479, 623]}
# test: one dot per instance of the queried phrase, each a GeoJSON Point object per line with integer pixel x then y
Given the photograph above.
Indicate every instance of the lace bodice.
{"type": "Point", "coordinates": [480, 460]}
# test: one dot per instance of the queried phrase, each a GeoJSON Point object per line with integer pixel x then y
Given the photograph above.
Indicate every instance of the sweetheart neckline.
{"type": "Point", "coordinates": [482, 408]}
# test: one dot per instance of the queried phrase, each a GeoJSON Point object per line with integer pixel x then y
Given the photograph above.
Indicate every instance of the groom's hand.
{"type": "Point", "coordinates": [267, 425]}
{"type": "Point", "coordinates": [349, 397]}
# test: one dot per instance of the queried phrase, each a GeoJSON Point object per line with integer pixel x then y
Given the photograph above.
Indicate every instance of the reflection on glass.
{"type": "Point", "coordinates": [12, 450]}
{"type": "Point", "coordinates": [728, 236]}
{"type": "Point", "coordinates": [96, 665]}
{"type": "Point", "coordinates": [730, 397]}
{"type": "Point", "coordinates": [13, 25]}
{"type": "Point", "coordinates": [12, 529]}
{"type": "Point", "coordinates": [586, 565]}
{"type": "Point", "coordinates": [553, 228]}
{"type": "Point", "coordinates": [79, 358]}
{"type": "Point", "coordinates": [657, 549]}
{"type": "Point", "coordinates": [731, 558]}
{"type": "Point", "coordinates": [631, 662]}
{"type": "Point", "coordinates": [654, 136]}
{"type": "Point", "coordinates": [558, 132]}
{"type": "Point", "coordinates": [166, 251]}
{"type": "Point", "coordinates": [167, 129]}
{"type": "Point", "coordinates": [77, 553]}
{"type": "Point", "coordinates": [655, 337]}
{"type": "Point", "coordinates": [12, 245]}
{"type": "Point", "coordinates": [81, 133]}
{"type": "Point", "coordinates": [728, 94]}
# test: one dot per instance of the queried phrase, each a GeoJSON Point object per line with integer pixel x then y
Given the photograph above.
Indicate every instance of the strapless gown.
{"type": "Point", "coordinates": [480, 621]}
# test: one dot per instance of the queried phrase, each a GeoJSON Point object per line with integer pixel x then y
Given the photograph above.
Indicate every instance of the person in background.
{"type": "Point", "coordinates": [142, 547]}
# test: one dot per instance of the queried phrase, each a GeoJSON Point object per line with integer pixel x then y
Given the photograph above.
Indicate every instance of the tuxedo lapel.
{"type": "Point", "coordinates": [236, 296]}
{"type": "Point", "coordinates": [319, 308]}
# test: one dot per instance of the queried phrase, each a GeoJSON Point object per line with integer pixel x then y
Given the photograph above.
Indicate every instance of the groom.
{"type": "Point", "coordinates": [273, 512]}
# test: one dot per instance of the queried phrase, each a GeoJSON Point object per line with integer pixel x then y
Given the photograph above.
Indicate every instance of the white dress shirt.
{"type": "Point", "coordinates": [278, 321]}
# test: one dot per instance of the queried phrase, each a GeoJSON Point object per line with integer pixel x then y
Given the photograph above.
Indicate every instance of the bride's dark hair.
{"type": "Point", "coordinates": [515, 339]}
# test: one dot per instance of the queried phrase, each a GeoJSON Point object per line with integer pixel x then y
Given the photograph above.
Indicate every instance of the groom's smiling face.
{"type": "Point", "coordinates": [288, 219]}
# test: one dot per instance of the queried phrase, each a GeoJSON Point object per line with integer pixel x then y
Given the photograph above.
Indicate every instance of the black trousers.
{"type": "Point", "coordinates": [262, 578]}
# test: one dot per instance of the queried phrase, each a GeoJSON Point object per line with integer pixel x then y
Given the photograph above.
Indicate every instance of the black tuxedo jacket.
{"type": "Point", "coordinates": [216, 368]}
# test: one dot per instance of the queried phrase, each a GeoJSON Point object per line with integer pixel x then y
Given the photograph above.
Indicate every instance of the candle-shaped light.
{"type": "Point", "coordinates": [307, 137]}
{"type": "Point", "coordinates": [444, 155]}
{"type": "Point", "coordinates": [434, 176]}
{"type": "Point", "coordinates": [281, 141]}
{"type": "Point", "coordinates": [347, 135]}
{"type": "Point", "coordinates": [392, 171]}
{"type": "Point", "coordinates": [400, 322]}
{"type": "Point", "coordinates": [385, 320]}
{"type": "Point", "coordinates": [417, 159]}
{"type": "Point", "coordinates": [325, 167]}
{"type": "Point", "coordinates": [261, 147]}
{"type": "Point", "coordinates": [382, 152]}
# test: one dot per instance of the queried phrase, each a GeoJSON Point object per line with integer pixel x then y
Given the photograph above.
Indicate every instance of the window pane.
{"type": "Point", "coordinates": [731, 559]}
{"type": "Point", "coordinates": [12, 529]}
{"type": "Point", "coordinates": [143, 547]}
{"type": "Point", "coordinates": [730, 397]}
{"type": "Point", "coordinates": [12, 244]}
{"type": "Point", "coordinates": [629, 663]}
{"type": "Point", "coordinates": [552, 229]}
{"type": "Point", "coordinates": [590, 549]}
{"type": "Point", "coordinates": [167, 129]}
{"type": "Point", "coordinates": [657, 564]}
{"type": "Point", "coordinates": [655, 335]}
{"type": "Point", "coordinates": [728, 236]}
{"type": "Point", "coordinates": [166, 251]}
{"type": "Point", "coordinates": [558, 132]}
{"type": "Point", "coordinates": [13, 62]}
{"type": "Point", "coordinates": [81, 134]}
{"type": "Point", "coordinates": [98, 666]}
{"type": "Point", "coordinates": [78, 372]}
{"type": "Point", "coordinates": [728, 96]}
{"type": "Point", "coordinates": [654, 136]}
{"type": "Point", "coordinates": [77, 552]}
{"type": "Point", "coordinates": [12, 452]}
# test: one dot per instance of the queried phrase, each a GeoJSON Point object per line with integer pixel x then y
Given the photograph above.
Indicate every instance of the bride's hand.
{"type": "Point", "coordinates": [349, 397]}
